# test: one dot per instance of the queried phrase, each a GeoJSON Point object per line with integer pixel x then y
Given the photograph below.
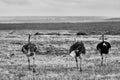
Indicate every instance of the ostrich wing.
{"type": "Point", "coordinates": [29, 46]}
{"type": "Point", "coordinates": [78, 46]}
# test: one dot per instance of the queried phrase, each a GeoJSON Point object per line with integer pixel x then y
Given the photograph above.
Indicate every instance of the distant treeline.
{"type": "Point", "coordinates": [87, 28]}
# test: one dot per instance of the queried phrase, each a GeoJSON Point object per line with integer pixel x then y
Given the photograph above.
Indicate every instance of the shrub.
{"type": "Point", "coordinates": [67, 34]}
{"type": "Point", "coordinates": [37, 33]}
{"type": "Point", "coordinates": [81, 33]}
{"type": "Point", "coordinates": [53, 33]}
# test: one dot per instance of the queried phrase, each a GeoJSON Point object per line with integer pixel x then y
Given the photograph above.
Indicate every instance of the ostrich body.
{"type": "Point", "coordinates": [78, 48]}
{"type": "Point", "coordinates": [103, 47]}
{"type": "Point", "coordinates": [29, 50]}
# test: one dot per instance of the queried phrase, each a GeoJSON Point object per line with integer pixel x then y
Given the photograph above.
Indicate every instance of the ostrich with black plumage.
{"type": "Point", "coordinates": [76, 50]}
{"type": "Point", "coordinates": [103, 48]}
{"type": "Point", "coordinates": [29, 50]}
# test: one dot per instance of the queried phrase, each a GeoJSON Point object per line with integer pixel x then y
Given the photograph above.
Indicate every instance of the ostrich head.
{"type": "Point", "coordinates": [102, 37]}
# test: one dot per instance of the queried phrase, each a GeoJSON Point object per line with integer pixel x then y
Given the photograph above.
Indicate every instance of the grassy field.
{"type": "Point", "coordinates": [51, 62]}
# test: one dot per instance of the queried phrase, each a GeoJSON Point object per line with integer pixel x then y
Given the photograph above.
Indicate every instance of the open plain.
{"type": "Point", "coordinates": [53, 61]}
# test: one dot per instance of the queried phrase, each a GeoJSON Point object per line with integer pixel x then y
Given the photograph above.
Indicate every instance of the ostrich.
{"type": "Point", "coordinates": [103, 47]}
{"type": "Point", "coordinates": [29, 50]}
{"type": "Point", "coordinates": [76, 50]}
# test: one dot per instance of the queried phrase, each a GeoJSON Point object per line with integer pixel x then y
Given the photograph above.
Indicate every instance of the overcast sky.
{"type": "Point", "coordinates": [60, 8]}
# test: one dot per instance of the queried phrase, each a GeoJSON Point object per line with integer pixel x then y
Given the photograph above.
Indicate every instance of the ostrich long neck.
{"type": "Point", "coordinates": [29, 39]}
{"type": "Point", "coordinates": [102, 37]}
{"type": "Point", "coordinates": [75, 38]}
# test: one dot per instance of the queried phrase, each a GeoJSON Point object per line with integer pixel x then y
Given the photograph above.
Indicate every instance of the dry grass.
{"type": "Point", "coordinates": [54, 65]}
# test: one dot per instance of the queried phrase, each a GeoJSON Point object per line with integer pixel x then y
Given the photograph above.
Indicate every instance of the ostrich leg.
{"type": "Point", "coordinates": [34, 64]}
{"type": "Point", "coordinates": [102, 59]}
{"type": "Point", "coordinates": [105, 58]}
{"type": "Point", "coordinates": [28, 63]}
{"type": "Point", "coordinates": [76, 62]}
{"type": "Point", "coordinates": [80, 63]}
